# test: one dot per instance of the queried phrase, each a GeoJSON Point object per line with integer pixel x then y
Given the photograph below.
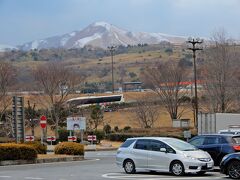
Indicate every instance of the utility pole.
{"type": "Point", "coordinates": [194, 42]}
{"type": "Point", "coordinates": [112, 49]}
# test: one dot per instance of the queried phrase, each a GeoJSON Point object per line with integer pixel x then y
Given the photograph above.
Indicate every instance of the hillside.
{"type": "Point", "coordinates": [129, 64]}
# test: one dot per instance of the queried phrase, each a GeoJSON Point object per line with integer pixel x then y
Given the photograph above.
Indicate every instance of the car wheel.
{"type": "Point", "coordinates": [234, 169]}
{"type": "Point", "coordinates": [129, 166]}
{"type": "Point", "coordinates": [201, 172]}
{"type": "Point", "coordinates": [177, 168]}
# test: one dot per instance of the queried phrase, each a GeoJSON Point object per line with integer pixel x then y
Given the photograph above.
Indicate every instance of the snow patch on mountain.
{"type": "Point", "coordinates": [72, 33]}
{"type": "Point", "coordinates": [123, 43]}
{"type": "Point", "coordinates": [82, 42]}
{"type": "Point", "coordinates": [103, 24]}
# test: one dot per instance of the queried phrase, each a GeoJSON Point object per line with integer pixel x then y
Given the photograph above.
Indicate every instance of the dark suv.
{"type": "Point", "coordinates": [217, 145]}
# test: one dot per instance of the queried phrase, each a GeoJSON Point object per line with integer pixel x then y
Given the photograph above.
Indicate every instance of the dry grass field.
{"type": "Point", "coordinates": [121, 117]}
{"type": "Point", "coordinates": [129, 62]}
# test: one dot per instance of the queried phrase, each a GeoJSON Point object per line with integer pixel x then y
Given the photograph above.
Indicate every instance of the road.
{"type": "Point", "coordinates": [98, 166]}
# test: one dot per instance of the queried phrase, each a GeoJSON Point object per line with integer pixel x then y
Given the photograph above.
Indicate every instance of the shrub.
{"type": "Point", "coordinates": [100, 135]}
{"type": "Point", "coordinates": [107, 128]}
{"type": "Point", "coordinates": [12, 151]}
{"type": "Point", "coordinates": [40, 148]}
{"type": "Point", "coordinates": [116, 129]}
{"type": "Point", "coordinates": [63, 135]}
{"type": "Point", "coordinates": [169, 51]}
{"type": "Point", "coordinates": [123, 136]}
{"type": "Point", "coordinates": [69, 148]}
{"type": "Point", "coordinates": [126, 128]}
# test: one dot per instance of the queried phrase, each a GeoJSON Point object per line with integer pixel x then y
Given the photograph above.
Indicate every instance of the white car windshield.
{"type": "Point", "coordinates": [181, 145]}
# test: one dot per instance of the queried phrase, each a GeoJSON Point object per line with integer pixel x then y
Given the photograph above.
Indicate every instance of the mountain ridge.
{"type": "Point", "coordinates": [100, 34]}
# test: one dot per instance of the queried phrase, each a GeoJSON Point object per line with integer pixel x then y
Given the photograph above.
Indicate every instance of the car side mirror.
{"type": "Point", "coordinates": [163, 150]}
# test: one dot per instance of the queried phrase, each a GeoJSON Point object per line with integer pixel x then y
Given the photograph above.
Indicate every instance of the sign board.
{"type": "Point", "coordinates": [18, 118]}
{"type": "Point", "coordinates": [187, 134]}
{"type": "Point", "coordinates": [29, 138]}
{"type": "Point", "coordinates": [72, 138]}
{"type": "Point", "coordinates": [181, 123]}
{"type": "Point", "coordinates": [76, 123]}
{"type": "Point", "coordinates": [92, 138]}
{"type": "Point", "coordinates": [43, 122]}
{"type": "Point", "coordinates": [51, 138]}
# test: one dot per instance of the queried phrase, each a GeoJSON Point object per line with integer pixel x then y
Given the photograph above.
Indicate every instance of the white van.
{"type": "Point", "coordinates": [162, 154]}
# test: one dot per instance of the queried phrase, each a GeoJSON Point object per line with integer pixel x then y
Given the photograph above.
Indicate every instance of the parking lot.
{"type": "Point", "coordinates": [118, 173]}
{"type": "Point", "coordinates": [97, 166]}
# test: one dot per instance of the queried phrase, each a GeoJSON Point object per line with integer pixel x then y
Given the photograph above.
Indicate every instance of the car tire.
{"type": "Point", "coordinates": [201, 172]}
{"type": "Point", "coordinates": [177, 168]}
{"type": "Point", "coordinates": [233, 169]}
{"type": "Point", "coordinates": [129, 166]}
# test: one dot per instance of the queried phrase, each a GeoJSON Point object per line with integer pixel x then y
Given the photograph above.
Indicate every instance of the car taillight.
{"type": "Point", "coordinates": [236, 147]}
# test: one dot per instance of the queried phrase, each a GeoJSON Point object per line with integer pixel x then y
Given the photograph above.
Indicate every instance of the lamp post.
{"type": "Point", "coordinates": [112, 49]}
{"type": "Point", "coordinates": [194, 42]}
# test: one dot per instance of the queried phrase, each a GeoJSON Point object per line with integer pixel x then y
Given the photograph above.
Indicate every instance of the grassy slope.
{"type": "Point", "coordinates": [131, 62]}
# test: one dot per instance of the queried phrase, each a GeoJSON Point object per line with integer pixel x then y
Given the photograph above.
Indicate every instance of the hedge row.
{"type": "Point", "coordinates": [120, 136]}
{"type": "Point", "coordinates": [123, 136]}
{"type": "Point", "coordinates": [40, 148]}
{"type": "Point", "coordinates": [12, 151]}
{"type": "Point", "coordinates": [69, 148]}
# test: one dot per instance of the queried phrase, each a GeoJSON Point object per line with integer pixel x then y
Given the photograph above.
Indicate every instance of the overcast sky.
{"type": "Point", "coordinates": [27, 20]}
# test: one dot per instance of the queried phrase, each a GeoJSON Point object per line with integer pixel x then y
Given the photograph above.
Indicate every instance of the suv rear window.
{"type": "Point", "coordinates": [127, 143]}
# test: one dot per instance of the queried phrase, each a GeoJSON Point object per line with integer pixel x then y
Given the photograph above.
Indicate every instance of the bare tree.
{"type": "Point", "coordinates": [31, 116]}
{"type": "Point", "coordinates": [166, 80]}
{"type": "Point", "coordinates": [7, 77]}
{"type": "Point", "coordinates": [96, 116]}
{"type": "Point", "coordinates": [58, 82]}
{"type": "Point", "coordinates": [147, 111]}
{"type": "Point", "coordinates": [220, 73]}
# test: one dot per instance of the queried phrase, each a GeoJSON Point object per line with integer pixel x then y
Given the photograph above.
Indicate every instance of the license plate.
{"type": "Point", "coordinates": [209, 165]}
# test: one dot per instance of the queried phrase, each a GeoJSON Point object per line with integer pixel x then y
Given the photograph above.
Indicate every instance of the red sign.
{"type": "Point", "coordinates": [51, 138]}
{"type": "Point", "coordinates": [72, 138]}
{"type": "Point", "coordinates": [92, 138]}
{"type": "Point", "coordinates": [43, 122]}
{"type": "Point", "coordinates": [29, 138]}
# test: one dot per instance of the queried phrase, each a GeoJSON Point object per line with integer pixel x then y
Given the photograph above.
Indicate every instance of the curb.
{"type": "Point", "coordinates": [40, 161]}
{"type": "Point", "coordinates": [97, 149]}
{"type": "Point", "coordinates": [62, 159]}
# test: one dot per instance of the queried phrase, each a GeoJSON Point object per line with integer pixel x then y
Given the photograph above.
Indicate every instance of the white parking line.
{"type": "Point", "coordinates": [36, 178]}
{"type": "Point", "coordinates": [5, 176]}
{"type": "Point", "coordinates": [153, 177]}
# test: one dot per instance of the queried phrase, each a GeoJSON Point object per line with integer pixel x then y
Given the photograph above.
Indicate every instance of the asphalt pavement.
{"type": "Point", "coordinates": [98, 165]}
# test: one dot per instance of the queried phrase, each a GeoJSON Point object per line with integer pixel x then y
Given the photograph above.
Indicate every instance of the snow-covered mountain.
{"type": "Point", "coordinates": [4, 47]}
{"type": "Point", "coordinates": [101, 34]}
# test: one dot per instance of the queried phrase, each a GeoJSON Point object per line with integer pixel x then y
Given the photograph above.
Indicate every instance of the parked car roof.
{"type": "Point", "coordinates": [156, 138]}
{"type": "Point", "coordinates": [232, 135]}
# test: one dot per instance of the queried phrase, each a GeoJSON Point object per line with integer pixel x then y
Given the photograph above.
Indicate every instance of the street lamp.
{"type": "Point", "coordinates": [112, 49]}
{"type": "Point", "coordinates": [194, 42]}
